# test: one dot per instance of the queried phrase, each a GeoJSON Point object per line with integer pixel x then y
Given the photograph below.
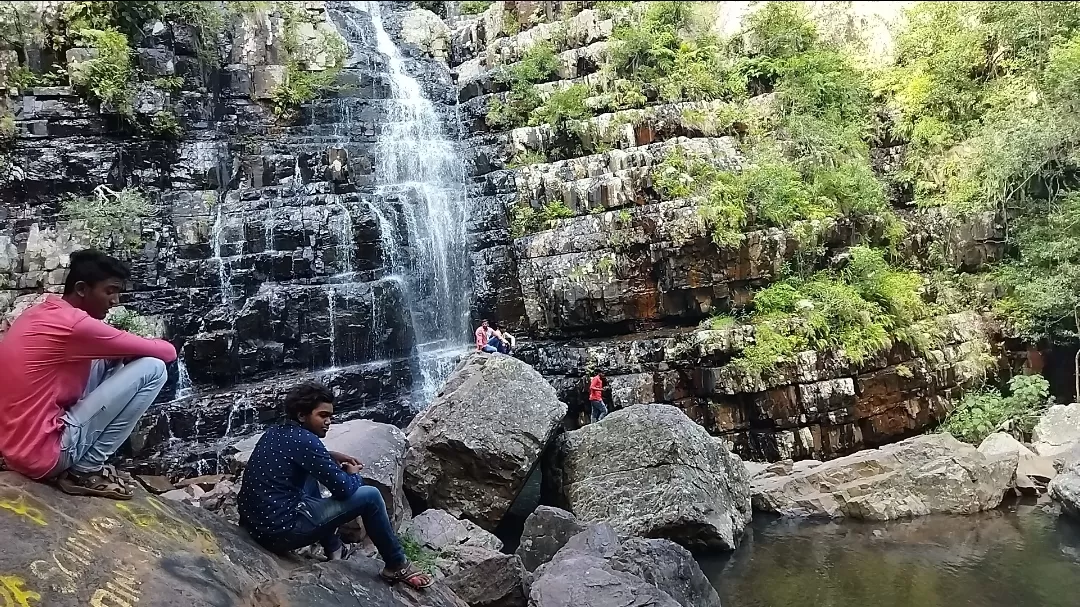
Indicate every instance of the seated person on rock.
{"type": "Point", "coordinates": [280, 503]}
{"type": "Point", "coordinates": [74, 387]}
{"type": "Point", "coordinates": [499, 342]}
{"type": "Point", "coordinates": [483, 334]}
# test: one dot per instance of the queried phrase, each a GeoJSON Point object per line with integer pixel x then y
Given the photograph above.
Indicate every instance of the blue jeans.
{"type": "Point", "coordinates": [319, 517]}
{"type": "Point", "coordinates": [599, 410]}
{"type": "Point", "coordinates": [497, 345]}
{"type": "Point", "coordinates": [116, 396]}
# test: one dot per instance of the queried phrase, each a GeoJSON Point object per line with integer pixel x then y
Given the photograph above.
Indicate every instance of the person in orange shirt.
{"type": "Point", "coordinates": [596, 397]}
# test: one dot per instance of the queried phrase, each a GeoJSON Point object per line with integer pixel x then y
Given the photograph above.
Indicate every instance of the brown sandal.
{"type": "Point", "coordinates": [409, 574]}
{"type": "Point", "coordinates": [97, 484]}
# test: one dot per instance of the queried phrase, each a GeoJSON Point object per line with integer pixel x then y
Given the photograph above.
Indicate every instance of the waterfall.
{"type": "Point", "coordinates": [420, 178]}
{"type": "Point", "coordinates": [184, 387]}
{"type": "Point", "coordinates": [331, 308]}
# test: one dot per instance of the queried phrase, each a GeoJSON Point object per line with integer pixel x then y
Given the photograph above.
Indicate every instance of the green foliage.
{"type": "Point", "coordinates": [511, 24]}
{"type": "Point", "coordinates": [110, 75]}
{"type": "Point", "coordinates": [209, 20]}
{"type": "Point", "coordinates": [608, 8]}
{"type": "Point", "coordinates": [474, 7]}
{"type": "Point", "coordinates": [172, 84]}
{"type": "Point", "coordinates": [418, 554]}
{"type": "Point", "coordinates": [527, 220]}
{"type": "Point", "coordinates": [981, 413]}
{"type": "Point", "coordinates": [526, 158]}
{"type": "Point", "coordinates": [125, 16]}
{"type": "Point", "coordinates": [299, 87]}
{"type": "Point", "coordinates": [563, 106]}
{"type": "Point", "coordinates": [862, 309]}
{"type": "Point", "coordinates": [165, 125]}
{"type": "Point", "coordinates": [720, 322]}
{"type": "Point", "coordinates": [111, 219]}
{"type": "Point", "coordinates": [538, 64]}
{"type": "Point", "coordinates": [130, 321]}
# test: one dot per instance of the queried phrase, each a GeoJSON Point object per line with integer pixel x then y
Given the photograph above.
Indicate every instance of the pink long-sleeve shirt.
{"type": "Point", "coordinates": [44, 367]}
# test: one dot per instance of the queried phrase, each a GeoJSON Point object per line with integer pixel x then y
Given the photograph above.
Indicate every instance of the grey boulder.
{"type": "Point", "coordinates": [669, 567]}
{"type": "Point", "coordinates": [381, 448]}
{"type": "Point", "coordinates": [923, 475]}
{"type": "Point", "coordinates": [439, 530]}
{"type": "Point", "coordinates": [1065, 488]}
{"type": "Point", "coordinates": [547, 530]}
{"type": "Point", "coordinates": [1057, 430]}
{"type": "Point", "coordinates": [582, 580]}
{"type": "Point", "coordinates": [487, 578]}
{"type": "Point", "coordinates": [649, 471]}
{"type": "Point", "coordinates": [472, 449]}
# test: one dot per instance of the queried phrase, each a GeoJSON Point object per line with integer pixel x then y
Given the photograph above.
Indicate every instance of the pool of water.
{"type": "Point", "coordinates": [1022, 555]}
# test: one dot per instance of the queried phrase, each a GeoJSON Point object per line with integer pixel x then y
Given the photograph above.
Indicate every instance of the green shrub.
{"type": "Point", "coordinates": [111, 219]}
{"type": "Point", "coordinates": [981, 413]}
{"type": "Point", "coordinates": [863, 309]}
{"type": "Point", "coordinates": [475, 7]}
{"type": "Point", "coordinates": [299, 87]}
{"type": "Point", "coordinates": [418, 554]}
{"type": "Point", "coordinates": [527, 220]}
{"type": "Point", "coordinates": [526, 158]}
{"type": "Point", "coordinates": [109, 77]}
{"type": "Point", "coordinates": [166, 125]}
{"type": "Point", "coordinates": [563, 106]}
{"type": "Point", "coordinates": [131, 321]}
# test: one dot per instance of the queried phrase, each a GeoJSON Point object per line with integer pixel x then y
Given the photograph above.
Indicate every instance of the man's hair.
{"type": "Point", "coordinates": [92, 266]}
{"type": "Point", "coordinates": [303, 398]}
{"type": "Point", "coordinates": [483, 320]}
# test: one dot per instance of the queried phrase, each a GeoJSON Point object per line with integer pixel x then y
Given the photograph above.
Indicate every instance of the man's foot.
{"type": "Point", "coordinates": [409, 574]}
{"type": "Point", "coordinates": [340, 554]}
{"type": "Point", "coordinates": [94, 484]}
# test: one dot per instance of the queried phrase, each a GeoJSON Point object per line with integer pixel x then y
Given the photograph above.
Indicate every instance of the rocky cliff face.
{"type": "Point", "coordinates": [329, 242]}
{"type": "Point", "coordinates": [621, 280]}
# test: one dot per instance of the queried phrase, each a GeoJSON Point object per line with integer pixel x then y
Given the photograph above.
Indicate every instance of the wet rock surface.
{"type": "Point", "coordinates": [677, 482]}
{"type": "Point", "coordinates": [471, 451]}
{"type": "Point", "coordinates": [928, 474]}
{"type": "Point", "coordinates": [66, 551]}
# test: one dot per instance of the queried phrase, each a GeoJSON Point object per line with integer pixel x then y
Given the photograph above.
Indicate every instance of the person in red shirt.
{"type": "Point", "coordinates": [596, 397]}
{"type": "Point", "coordinates": [74, 387]}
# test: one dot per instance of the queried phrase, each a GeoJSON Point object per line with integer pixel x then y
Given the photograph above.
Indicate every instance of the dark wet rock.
{"type": "Point", "coordinates": [66, 551]}
{"type": "Point", "coordinates": [669, 567]}
{"type": "Point", "coordinates": [547, 530]}
{"type": "Point", "coordinates": [472, 449]}
{"type": "Point", "coordinates": [677, 482]}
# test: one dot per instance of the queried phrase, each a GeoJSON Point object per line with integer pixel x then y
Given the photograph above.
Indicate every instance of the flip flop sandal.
{"type": "Point", "coordinates": [410, 575]}
{"type": "Point", "coordinates": [92, 485]}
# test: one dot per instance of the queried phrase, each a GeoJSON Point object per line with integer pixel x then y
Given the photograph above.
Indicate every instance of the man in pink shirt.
{"type": "Point", "coordinates": [482, 335]}
{"type": "Point", "coordinates": [73, 386]}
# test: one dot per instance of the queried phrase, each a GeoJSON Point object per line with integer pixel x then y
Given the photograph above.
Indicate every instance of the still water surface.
{"type": "Point", "coordinates": [1017, 556]}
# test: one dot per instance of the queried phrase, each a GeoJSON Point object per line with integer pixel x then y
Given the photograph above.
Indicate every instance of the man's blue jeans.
{"type": "Point", "coordinates": [319, 518]}
{"type": "Point", "coordinates": [116, 396]}
{"type": "Point", "coordinates": [599, 410]}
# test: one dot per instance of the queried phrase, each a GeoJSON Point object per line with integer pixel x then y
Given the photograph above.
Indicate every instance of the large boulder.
{"type": "Point", "coordinates": [1057, 430]}
{"type": "Point", "coordinates": [583, 580]}
{"type": "Point", "coordinates": [595, 569]}
{"type": "Point", "coordinates": [62, 551]}
{"type": "Point", "coordinates": [439, 530]}
{"type": "Point", "coordinates": [1032, 473]}
{"type": "Point", "coordinates": [492, 579]}
{"type": "Point", "coordinates": [471, 451]}
{"type": "Point", "coordinates": [650, 471]}
{"type": "Point", "coordinates": [546, 531]}
{"type": "Point", "coordinates": [669, 567]}
{"type": "Point", "coordinates": [1065, 488]}
{"type": "Point", "coordinates": [381, 448]}
{"type": "Point", "coordinates": [927, 474]}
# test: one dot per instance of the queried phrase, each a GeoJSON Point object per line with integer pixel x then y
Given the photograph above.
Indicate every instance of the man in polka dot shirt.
{"type": "Point", "coordinates": [280, 503]}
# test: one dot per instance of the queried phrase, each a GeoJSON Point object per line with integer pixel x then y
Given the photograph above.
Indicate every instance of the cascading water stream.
{"type": "Point", "coordinates": [420, 206]}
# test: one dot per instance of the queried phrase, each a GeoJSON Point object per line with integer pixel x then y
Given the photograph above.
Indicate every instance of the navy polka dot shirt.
{"type": "Point", "coordinates": [273, 485]}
